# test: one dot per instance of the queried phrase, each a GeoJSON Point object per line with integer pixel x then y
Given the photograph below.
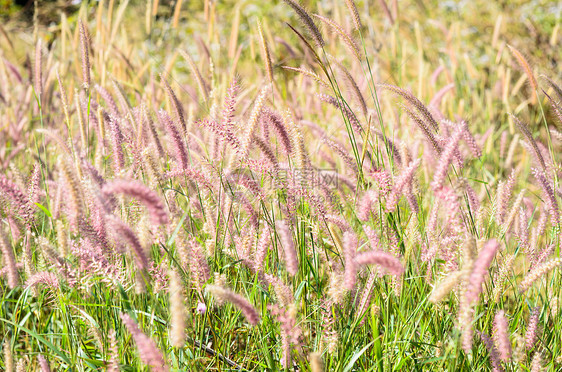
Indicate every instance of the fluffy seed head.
{"type": "Point", "coordinates": [226, 295]}
{"type": "Point", "coordinates": [177, 310]}
{"type": "Point", "coordinates": [501, 336]}
{"type": "Point", "coordinates": [85, 47]}
{"type": "Point", "coordinates": [148, 352]}
{"type": "Point", "coordinates": [532, 328]}
{"type": "Point", "coordinates": [291, 260]}
{"type": "Point", "coordinates": [307, 21]}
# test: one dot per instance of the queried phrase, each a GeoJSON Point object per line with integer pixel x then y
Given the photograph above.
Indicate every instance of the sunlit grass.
{"type": "Point", "coordinates": [308, 182]}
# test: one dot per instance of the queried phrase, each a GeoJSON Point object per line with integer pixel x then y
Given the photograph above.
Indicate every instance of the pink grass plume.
{"type": "Point", "coordinates": [225, 295]}
{"type": "Point", "coordinates": [137, 190]}
{"type": "Point", "coordinates": [291, 260]}
{"type": "Point", "coordinates": [532, 328]}
{"type": "Point", "coordinates": [501, 336]}
{"type": "Point", "coordinates": [148, 352]}
{"type": "Point", "coordinates": [480, 268]}
{"type": "Point", "coordinates": [383, 259]}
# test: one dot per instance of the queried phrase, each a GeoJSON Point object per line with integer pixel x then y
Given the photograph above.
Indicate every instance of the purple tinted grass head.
{"type": "Point", "coordinates": [148, 352]}
{"type": "Point", "coordinates": [344, 108]}
{"type": "Point", "coordinates": [9, 260]}
{"type": "Point", "coordinates": [32, 188]}
{"type": "Point", "coordinates": [554, 104]}
{"type": "Point", "coordinates": [117, 139]}
{"type": "Point", "coordinates": [347, 38]}
{"type": "Point", "coordinates": [532, 328]}
{"type": "Point", "coordinates": [109, 101]}
{"type": "Point", "coordinates": [429, 134]}
{"type": "Point", "coordinates": [415, 103]}
{"type": "Point", "coordinates": [269, 156]}
{"type": "Point", "coordinates": [470, 140]}
{"type": "Point", "coordinates": [273, 119]}
{"type": "Point", "coordinates": [192, 174]}
{"type": "Point", "coordinates": [224, 131]}
{"type": "Point", "coordinates": [146, 119]}
{"type": "Point", "coordinates": [113, 365]}
{"type": "Point", "coordinates": [177, 139]}
{"type": "Point", "coordinates": [127, 234]}
{"type": "Point", "coordinates": [291, 260]}
{"type": "Point", "coordinates": [505, 192]}
{"type": "Point", "coordinates": [349, 251]}
{"type": "Point", "coordinates": [230, 103]}
{"type": "Point", "coordinates": [337, 220]}
{"type": "Point", "coordinates": [530, 140]}
{"type": "Point", "coordinates": [354, 14]}
{"type": "Point", "coordinates": [226, 295]}
{"type": "Point", "coordinates": [283, 292]}
{"type": "Point", "coordinates": [494, 355]}
{"type": "Point", "coordinates": [373, 237]}
{"type": "Point", "coordinates": [147, 197]}
{"type": "Point", "coordinates": [554, 86]}
{"type": "Point", "coordinates": [248, 207]}
{"type": "Point", "coordinates": [550, 196]}
{"type": "Point", "coordinates": [85, 48]}
{"type": "Point", "coordinates": [17, 198]}
{"type": "Point", "coordinates": [200, 272]}
{"type": "Point", "coordinates": [305, 18]}
{"type": "Point", "coordinates": [404, 180]}
{"type": "Point", "coordinates": [480, 268]}
{"type": "Point", "coordinates": [44, 277]}
{"type": "Point", "coordinates": [226, 125]}
{"type": "Point", "coordinates": [262, 246]}
{"type": "Point", "coordinates": [385, 260]}
{"type": "Point", "coordinates": [175, 103]}
{"type": "Point", "coordinates": [343, 153]}
{"type": "Point", "coordinates": [501, 336]}
{"type": "Point", "coordinates": [290, 330]}
{"type": "Point", "coordinates": [252, 124]}
{"type": "Point", "coordinates": [446, 159]}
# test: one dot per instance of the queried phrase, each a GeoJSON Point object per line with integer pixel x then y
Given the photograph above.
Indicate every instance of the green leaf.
{"type": "Point", "coordinates": [356, 356]}
{"type": "Point", "coordinates": [45, 210]}
{"type": "Point", "coordinates": [41, 339]}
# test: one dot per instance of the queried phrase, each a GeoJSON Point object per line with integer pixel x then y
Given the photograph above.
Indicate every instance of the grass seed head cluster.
{"type": "Point", "coordinates": [354, 191]}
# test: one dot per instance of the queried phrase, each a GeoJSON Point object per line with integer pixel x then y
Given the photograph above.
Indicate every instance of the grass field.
{"type": "Point", "coordinates": [278, 186]}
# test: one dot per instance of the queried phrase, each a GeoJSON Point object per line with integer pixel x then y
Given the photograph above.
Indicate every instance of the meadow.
{"type": "Point", "coordinates": [332, 185]}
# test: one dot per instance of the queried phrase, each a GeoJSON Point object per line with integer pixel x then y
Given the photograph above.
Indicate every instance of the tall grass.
{"type": "Point", "coordinates": [345, 193]}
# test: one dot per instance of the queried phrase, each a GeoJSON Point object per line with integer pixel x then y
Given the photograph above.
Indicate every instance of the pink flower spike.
{"type": "Point", "coordinates": [43, 364]}
{"type": "Point", "coordinates": [349, 252]}
{"type": "Point", "coordinates": [494, 357]}
{"type": "Point", "coordinates": [501, 336]}
{"type": "Point", "coordinates": [137, 190]}
{"type": "Point", "coordinates": [383, 259]}
{"type": "Point", "coordinates": [148, 352]}
{"type": "Point", "coordinates": [403, 180]}
{"type": "Point", "coordinates": [226, 295]}
{"type": "Point", "coordinates": [446, 158]}
{"type": "Point", "coordinates": [531, 334]}
{"type": "Point", "coordinates": [478, 275]}
{"type": "Point", "coordinates": [291, 260]}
